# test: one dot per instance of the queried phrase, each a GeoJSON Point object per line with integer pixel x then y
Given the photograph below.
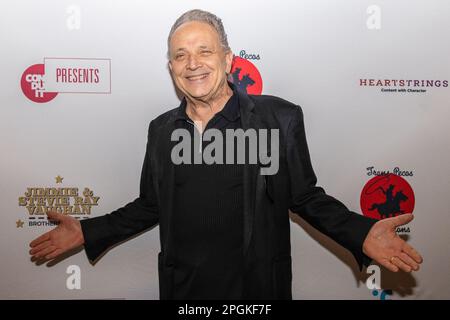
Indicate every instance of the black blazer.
{"type": "Point", "coordinates": [267, 199]}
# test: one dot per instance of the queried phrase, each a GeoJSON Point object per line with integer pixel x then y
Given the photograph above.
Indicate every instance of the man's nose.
{"type": "Point", "coordinates": [193, 62]}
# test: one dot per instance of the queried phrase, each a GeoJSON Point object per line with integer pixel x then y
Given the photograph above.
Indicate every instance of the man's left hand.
{"type": "Point", "coordinates": [383, 245]}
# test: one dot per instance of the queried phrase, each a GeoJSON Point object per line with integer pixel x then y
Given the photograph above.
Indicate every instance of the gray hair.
{"type": "Point", "coordinates": [201, 16]}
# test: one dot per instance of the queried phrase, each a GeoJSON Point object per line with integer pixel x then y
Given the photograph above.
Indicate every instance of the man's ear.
{"type": "Point", "coordinates": [229, 61]}
{"type": "Point", "coordinates": [170, 65]}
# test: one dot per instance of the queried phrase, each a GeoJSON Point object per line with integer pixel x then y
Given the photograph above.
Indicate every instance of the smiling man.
{"type": "Point", "coordinates": [224, 227]}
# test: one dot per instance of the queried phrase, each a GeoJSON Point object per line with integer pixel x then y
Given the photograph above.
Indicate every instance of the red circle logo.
{"type": "Point", "coordinates": [245, 76]}
{"type": "Point", "coordinates": [387, 196]}
{"type": "Point", "coordinates": [33, 86]}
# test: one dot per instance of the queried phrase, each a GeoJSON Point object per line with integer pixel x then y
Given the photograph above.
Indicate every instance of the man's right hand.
{"type": "Point", "coordinates": [66, 236]}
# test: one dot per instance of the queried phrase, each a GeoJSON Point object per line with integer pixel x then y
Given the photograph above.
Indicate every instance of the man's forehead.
{"type": "Point", "coordinates": [195, 32]}
{"type": "Point", "coordinates": [199, 47]}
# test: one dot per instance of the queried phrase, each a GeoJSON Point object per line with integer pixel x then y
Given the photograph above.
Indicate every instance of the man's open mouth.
{"type": "Point", "coordinates": [197, 77]}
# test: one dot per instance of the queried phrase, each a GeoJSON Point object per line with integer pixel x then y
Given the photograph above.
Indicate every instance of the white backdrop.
{"type": "Point", "coordinates": [313, 53]}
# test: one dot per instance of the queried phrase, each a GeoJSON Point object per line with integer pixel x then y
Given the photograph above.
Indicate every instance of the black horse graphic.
{"type": "Point", "coordinates": [243, 83]}
{"type": "Point", "coordinates": [391, 207]}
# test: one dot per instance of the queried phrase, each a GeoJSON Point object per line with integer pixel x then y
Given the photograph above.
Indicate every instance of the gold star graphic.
{"type": "Point", "coordinates": [59, 179]}
{"type": "Point", "coordinates": [19, 224]}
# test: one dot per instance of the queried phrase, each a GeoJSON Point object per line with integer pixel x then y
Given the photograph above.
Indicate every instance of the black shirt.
{"type": "Point", "coordinates": [208, 218]}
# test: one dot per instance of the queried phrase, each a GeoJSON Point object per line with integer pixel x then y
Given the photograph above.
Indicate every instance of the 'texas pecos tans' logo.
{"type": "Point", "coordinates": [387, 195]}
{"type": "Point", "coordinates": [246, 76]}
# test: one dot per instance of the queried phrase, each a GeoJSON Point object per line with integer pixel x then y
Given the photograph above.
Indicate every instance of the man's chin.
{"type": "Point", "coordinates": [199, 94]}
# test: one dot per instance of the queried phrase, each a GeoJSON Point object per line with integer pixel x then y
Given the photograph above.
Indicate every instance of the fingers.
{"type": "Point", "coordinates": [40, 247]}
{"type": "Point", "coordinates": [409, 261]}
{"type": "Point", "coordinates": [401, 264]}
{"type": "Point", "coordinates": [45, 252]}
{"type": "Point", "coordinates": [49, 256]}
{"type": "Point", "coordinates": [39, 240]}
{"type": "Point", "coordinates": [390, 266]}
{"type": "Point", "coordinates": [54, 254]}
{"type": "Point", "coordinates": [402, 219]}
{"type": "Point", "coordinates": [410, 251]}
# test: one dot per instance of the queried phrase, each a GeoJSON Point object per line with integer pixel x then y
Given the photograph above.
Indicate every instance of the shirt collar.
{"type": "Point", "coordinates": [230, 111]}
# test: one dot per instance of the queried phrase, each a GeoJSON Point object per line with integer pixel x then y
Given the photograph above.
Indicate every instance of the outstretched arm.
{"type": "Point", "coordinates": [366, 238]}
{"type": "Point", "coordinates": [100, 233]}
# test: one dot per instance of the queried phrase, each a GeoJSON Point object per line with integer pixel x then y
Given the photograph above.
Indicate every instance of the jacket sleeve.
{"type": "Point", "coordinates": [323, 212]}
{"type": "Point", "coordinates": [102, 232]}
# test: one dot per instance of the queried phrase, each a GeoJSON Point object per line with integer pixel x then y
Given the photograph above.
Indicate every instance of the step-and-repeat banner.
{"type": "Point", "coordinates": [81, 80]}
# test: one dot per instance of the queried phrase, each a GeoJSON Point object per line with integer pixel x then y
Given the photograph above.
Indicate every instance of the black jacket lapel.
{"type": "Point", "coordinates": [249, 120]}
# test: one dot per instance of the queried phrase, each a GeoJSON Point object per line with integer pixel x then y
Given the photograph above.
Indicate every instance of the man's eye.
{"type": "Point", "coordinates": [179, 56]}
{"type": "Point", "coordinates": [206, 52]}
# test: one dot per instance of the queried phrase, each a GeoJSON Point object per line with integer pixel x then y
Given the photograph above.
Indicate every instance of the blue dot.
{"type": "Point", "coordinates": [375, 293]}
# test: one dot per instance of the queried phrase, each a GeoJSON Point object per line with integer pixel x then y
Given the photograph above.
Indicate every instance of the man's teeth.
{"type": "Point", "coordinates": [201, 76]}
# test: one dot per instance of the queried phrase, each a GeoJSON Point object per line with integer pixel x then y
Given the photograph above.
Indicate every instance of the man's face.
{"type": "Point", "coordinates": [197, 60]}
